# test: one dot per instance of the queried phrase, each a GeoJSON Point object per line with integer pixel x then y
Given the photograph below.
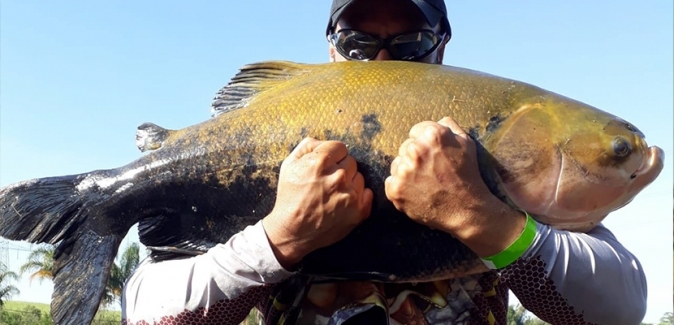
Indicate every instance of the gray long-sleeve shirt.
{"type": "Point", "coordinates": [563, 278]}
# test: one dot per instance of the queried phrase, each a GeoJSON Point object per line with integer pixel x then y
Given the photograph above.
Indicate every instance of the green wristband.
{"type": "Point", "coordinates": [516, 249]}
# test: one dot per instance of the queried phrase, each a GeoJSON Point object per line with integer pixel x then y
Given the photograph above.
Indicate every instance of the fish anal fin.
{"type": "Point", "coordinates": [150, 136]}
{"type": "Point", "coordinates": [251, 80]}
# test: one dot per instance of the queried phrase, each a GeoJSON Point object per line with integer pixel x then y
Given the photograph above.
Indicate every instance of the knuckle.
{"type": "Point", "coordinates": [340, 145]}
{"type": "Point", "coordinates": [435, 133]}
{"type": "Point", "coordinates": [312, 159]}
{"type": "Point", "coordinates": [405, 166]}
{"type": "Point", "coordinates": [394, 191]}
{"type": "Point", "coordinates": [319, 160]}
{"type": "Point", "coordinates": [350, 162]}
{"type": "Point", "coordinates": [336, 148]}
{"type": "Point", "coordinates": [339, 175]}
{"type": "Point", "coordinates": [415, 150]}
{"type": "Point", "coordinates": [359, 181]}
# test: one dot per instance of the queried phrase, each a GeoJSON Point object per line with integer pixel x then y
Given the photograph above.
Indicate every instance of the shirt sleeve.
{"type": "Point", "coordinates": [577, 278]}
{"type": "Point", "coordinates": [220, 286]}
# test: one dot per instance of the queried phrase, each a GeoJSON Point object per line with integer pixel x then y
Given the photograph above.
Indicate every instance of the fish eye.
{"type": "Point", "coordinates": [621, 147]}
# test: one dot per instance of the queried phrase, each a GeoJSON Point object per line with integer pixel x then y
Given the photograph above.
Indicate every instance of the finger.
{"type": "Point", "coordinates": [305, 146]}
{"type": "Point", "coordinates": [454, 126]}
{"type": "Point", "coordinates": [419, 128]}
{"type": "Point", "coordinates": [366, 203]}
{"type": "Point", "coordinates": [332, 151]}
{"type": "Point", "coordinates": [408, 164]}
{"type": "Point", "coordinates": [391, 191]}
{"type": "Point", "coordinates": [388, 186]}
{"type": "Point", "coordinates": [394, 165]}
{"type": "Point", "coordinates": [403, 147]}
{"type": "Point", "coordinates": [358, 183]}
{"type": "Point", "coordinates": [415, 153]}
{"type": "Point", "coordinates": [431, 133]}
{"type": "Point", "coordinates": [350, 165]}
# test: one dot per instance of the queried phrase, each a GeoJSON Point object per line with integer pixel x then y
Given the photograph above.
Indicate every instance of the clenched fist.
{"type": "Point", "coordinates": [435, 180]}
{"type": "Point", "coordinates": [321, 197]}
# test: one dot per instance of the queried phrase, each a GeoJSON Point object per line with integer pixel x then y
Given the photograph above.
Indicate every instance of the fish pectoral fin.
{"type": "Point", "coordinates": [251, 80]}
{"type": "Point", "coordinates": [163, 235]}
{"type": "Point", "coordinates": [150, 136]}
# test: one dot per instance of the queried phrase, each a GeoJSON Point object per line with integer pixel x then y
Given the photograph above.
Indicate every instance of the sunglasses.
{"type": "Point", "coordinates": [409, 46]}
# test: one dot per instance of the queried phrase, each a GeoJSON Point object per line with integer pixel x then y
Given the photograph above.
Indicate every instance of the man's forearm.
{"type": "Point", "coordinates": [221, 285]}
{"type": "Point", "coordinates": [575, 278]}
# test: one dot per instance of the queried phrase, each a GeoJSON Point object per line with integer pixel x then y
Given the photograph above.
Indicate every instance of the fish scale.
{"type": "Point", "coordinates": [198, 186]}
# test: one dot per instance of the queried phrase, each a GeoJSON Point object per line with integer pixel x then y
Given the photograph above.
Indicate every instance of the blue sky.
{"type": "Point", "coordinates": [78, 77]}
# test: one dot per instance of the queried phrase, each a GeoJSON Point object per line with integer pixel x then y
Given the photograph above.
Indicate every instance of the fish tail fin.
{"type": "Point", "coordinates": [54, 210]}
{"type": "Point", "coordinates": [44, 210]}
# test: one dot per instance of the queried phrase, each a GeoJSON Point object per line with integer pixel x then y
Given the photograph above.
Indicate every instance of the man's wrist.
{"type": "Point", "coordinates": [285, 250]}
{"type": "Point", "coordinates": [515, 250]}
{"type": "Point", "coordinates": [490, 227]}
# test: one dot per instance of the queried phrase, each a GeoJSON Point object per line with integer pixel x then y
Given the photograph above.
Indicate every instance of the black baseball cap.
{"type": "Point", "coordinates": [434, 11]}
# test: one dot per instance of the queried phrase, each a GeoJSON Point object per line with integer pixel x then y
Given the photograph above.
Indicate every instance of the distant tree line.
{"type": "Point", "coordinates": [40, 266]}
{"type": "Point", "coordinates": [518, 315]}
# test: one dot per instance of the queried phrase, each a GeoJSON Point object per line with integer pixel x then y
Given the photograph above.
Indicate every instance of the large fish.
{"type": "Point", "coordinates": [564, 162]}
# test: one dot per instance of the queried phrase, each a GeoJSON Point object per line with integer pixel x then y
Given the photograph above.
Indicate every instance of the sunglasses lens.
{"type": "Point", "coordinates": [413, 46]}
{"type": "Point", "coordinates": [355, 45]}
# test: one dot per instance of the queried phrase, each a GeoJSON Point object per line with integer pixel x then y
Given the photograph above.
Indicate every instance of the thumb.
{"type": "Point", "coordinates": [453, 126]}
{"type": "Point", "coordinates": [305, 146]}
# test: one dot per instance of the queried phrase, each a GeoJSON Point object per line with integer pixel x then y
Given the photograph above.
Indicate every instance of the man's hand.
{"type": "Point", "coordinates": [435, 180]}
{"type": "Point", "coordinates": [321, 197]}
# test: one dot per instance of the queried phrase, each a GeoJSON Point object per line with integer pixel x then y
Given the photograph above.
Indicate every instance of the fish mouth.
{"type": "Point", "coordinates": [653, 163]}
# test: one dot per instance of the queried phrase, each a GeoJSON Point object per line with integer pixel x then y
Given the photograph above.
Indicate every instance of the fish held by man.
{"type": "Point", "coordinates": [564, 162]}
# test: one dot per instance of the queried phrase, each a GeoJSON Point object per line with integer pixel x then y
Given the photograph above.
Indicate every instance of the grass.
{"type": "Point", "coordinates": [106, 316]}
{"type": "Point", "coordinates": [19, 306]}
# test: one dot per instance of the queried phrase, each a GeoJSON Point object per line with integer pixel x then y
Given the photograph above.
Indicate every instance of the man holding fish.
{"type": "Point", "coordinates": [563, 277]}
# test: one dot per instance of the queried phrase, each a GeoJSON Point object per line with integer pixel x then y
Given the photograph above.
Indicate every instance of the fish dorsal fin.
{"type": "Point", "coordinates": [251, 80]}
{"type": "Point", "coordinates": [150, 136]}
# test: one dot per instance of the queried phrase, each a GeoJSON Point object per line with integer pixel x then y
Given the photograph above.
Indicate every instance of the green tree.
{"type": "Point", "coordinates": [518, 315]}
{"type": "Point", "coordinates": [121, 270]}
{"type": "Point", "coordinates": [41, 260]}
{"type": "Point", "coordinates": [9, 318]}
{"type": "Point", "coordinates": [29, 315]}
{"type": "Point", "coordinates": [667, 319]}
{"type": "Point", "coordinates": [533, 320]}
{"type": "Point", "coordinates": [7, 289]}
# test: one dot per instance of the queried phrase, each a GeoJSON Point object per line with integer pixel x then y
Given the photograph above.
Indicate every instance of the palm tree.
{"type": "Point", "coordinates": [7, 290]}
{"type": "Point", "coordinates": [119, 273]}
{"type": "Point", "coordinates": [667, 318]}
{"type": "Point", "coordinates": [41, 260]}
{"type": "Point", "coordinates": [516, 315]}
